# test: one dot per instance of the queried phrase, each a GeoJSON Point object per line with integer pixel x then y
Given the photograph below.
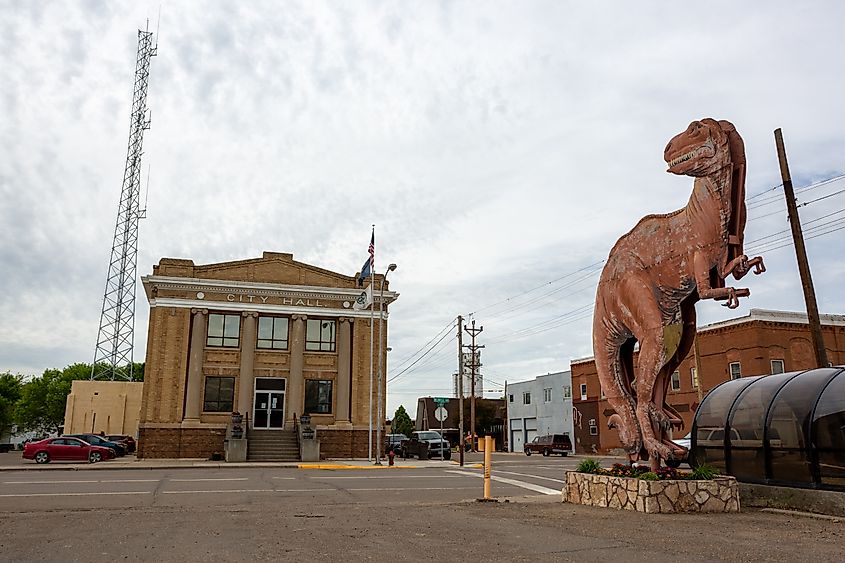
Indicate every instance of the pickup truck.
{"type": "Point", "coordinates": [426, 444]}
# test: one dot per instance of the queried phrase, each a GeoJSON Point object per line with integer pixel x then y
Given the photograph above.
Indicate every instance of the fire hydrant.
{"type": "Point", "coordinates": [390, 455]}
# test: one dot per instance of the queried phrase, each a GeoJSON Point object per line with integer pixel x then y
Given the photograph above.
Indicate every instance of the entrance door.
{"type": "Point", "coordinates": [269, 404]}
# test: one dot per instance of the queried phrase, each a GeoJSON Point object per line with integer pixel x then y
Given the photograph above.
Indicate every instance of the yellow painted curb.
{"type": "Point", "coordinates": [341, 466]}
{"type": "Point", "coordinates": [470, 465]}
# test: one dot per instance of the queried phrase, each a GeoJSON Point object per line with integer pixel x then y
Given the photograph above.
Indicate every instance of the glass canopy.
{"type": "Point", "coordinates": [785, 429]}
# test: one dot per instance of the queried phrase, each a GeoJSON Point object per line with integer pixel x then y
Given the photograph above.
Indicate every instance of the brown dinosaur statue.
{"type": "Point", "coordinates": [653, 278]}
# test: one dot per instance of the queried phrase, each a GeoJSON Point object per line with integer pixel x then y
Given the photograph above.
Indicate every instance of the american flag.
{"type": "Point", "coordinates": [370, 265]}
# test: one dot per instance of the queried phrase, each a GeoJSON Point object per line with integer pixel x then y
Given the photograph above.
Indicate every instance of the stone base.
{"type": "Point", "coordinates": [625, 493]}
{"type": "Point", "coordinates": [180, 442]}
{"type": "Point", "coordinates": [236, 449]}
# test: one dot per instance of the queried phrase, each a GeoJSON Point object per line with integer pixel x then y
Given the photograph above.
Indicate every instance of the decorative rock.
{"type": "Point", "coordinates": [719, 495]}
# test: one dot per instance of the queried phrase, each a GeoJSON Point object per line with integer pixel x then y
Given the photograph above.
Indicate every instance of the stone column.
{"type": "Point", "coordinates": [193, 389]}
{"type": "Point", "coordinates": [246, 378]}
{"type": "Point", "coordinates": [344, 362]}
{"type": "Point", "coordinates": [295, 386]}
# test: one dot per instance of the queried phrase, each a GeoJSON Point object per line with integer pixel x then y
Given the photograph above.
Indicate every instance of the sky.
{"type": "Point", "coordinates": [499, 148]}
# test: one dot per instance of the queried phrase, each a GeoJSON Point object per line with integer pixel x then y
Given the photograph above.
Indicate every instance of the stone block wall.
{"type": "Point", "coordinates": [625, 493]}
{"type": "Point", "coordinates": [180, 442]}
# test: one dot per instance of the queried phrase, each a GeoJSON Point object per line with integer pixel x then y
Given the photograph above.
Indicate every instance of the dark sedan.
{"type": "Point", "coordinates": [66, 448]}
{"type": "Point", "coordinates": [98, 440]}
{"type": "Point", "coordinates": [124, 440]}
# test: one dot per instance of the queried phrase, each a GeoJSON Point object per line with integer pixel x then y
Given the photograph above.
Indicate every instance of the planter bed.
{"type": "Point", "coordinates": [720, 494]}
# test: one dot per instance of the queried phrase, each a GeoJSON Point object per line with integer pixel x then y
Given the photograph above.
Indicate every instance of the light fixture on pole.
{"type": "Point", "coordinates": [381, 339]}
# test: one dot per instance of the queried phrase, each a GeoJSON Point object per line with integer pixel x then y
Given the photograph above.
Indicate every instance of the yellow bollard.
{"type": "Point", "coordinates": [488, 461]}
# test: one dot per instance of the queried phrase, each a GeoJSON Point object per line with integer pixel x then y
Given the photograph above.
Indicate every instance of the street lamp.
{"type": "Point", "coordinates": [381, 339]}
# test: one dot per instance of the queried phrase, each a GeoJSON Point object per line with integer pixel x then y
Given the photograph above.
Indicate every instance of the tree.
{"type": "Point", "coordinates": [10, 393]}
{"type": "Point", "coordinates": [402, 423]}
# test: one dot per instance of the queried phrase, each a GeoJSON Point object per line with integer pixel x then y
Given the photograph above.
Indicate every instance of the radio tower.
{"type": "Point", "coordinates": [116, 336]}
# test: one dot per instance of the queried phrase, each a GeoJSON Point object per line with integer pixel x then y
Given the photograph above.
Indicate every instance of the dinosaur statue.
{"type": "Point", "coordinates": [653, 278]}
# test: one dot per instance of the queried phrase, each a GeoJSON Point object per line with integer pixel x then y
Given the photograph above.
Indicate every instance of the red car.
{"type": "Point", "coordinates": [65, 449]}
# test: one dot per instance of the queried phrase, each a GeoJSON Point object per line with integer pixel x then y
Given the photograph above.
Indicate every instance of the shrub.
{"type": "Point", "coordinates": [588, 465]}
{"type": "Point", "coordinates": [704, 472]}
{"type": "Point", "coordinates": [649, 476]}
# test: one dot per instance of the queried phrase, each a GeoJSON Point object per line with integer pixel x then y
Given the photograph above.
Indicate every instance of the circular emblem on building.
{"type": "Point", "coordinates": [346, 304]}
{"type": "Point", "coordinates": [200, 295]}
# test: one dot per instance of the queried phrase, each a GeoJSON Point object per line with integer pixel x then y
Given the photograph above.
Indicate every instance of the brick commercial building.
{"type": "Point", "coordinates": [763, 342]}
{"type": "Point", "coordinates": [271, 338]}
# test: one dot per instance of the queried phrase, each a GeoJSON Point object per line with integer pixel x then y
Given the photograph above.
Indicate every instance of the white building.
{"type": "Point", "coordinates": [540, 406]}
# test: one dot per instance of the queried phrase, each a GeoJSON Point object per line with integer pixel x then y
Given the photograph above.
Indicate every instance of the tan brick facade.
{"type": "Point", "coordinates": [754, 342]}
{"type": "Point", "coordinates": [176, 419]}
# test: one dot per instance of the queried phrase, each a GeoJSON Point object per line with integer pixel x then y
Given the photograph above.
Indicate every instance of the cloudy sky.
{"type": "Point", "coordinates": [500, 148]}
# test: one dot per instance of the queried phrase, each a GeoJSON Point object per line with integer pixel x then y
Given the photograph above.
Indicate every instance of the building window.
{"type": "Point", "coordinates": [693, 377]}
{"type": "Point", "coordinates": [594, 429]}
{"type": "Point", "coordinates": [567, 392]}
{"type": "Point", "coordinates": [510, 398]}
{"type": "Point", "coordinates": [736, 370]}
{"type": "Point", "coordinates": [583, 391]}
{"type": "Point", "coordinates": [526, 398]}
{"type": "Point", "coordinates": [219, 394]}
{"type": "Point", "coordinates": [547, 395]}
{"type": "Point", "coordinates": [777, 366]}
{"type": "Point", "coordinates": [223, 330]}
{"type": "Point", "coordinates": [320, 335]}
{"type": "Point", "coordinates": [318, 396]}
{"type": "Point", "coordinates": [676, 380]}
{"type": "Point", "coordinates": [273, 333]}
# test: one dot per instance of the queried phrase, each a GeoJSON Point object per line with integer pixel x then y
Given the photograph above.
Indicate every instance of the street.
{"type": "Point", "coordinates": [422, 510]}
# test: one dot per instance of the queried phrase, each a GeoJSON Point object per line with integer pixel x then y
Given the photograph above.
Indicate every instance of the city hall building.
{"type": "Point", "coordinates": [270, 338]}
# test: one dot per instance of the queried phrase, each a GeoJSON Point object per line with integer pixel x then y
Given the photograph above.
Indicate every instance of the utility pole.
{"type": "Point", "coordinates": [474, 358]}
{"type": "Point", "coordinates": [461, 390]}
{"type": "Point", "coordinates": [801, 255]}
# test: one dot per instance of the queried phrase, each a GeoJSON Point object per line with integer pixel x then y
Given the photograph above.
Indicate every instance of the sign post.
{"type": "Point", "coordinates": [440, 413]}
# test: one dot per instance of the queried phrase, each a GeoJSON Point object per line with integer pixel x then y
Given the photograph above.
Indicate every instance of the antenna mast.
{"type": "Point", "coordinates": [116, 337]}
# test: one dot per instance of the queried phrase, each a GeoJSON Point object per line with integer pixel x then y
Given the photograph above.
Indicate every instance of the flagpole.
{"type": "Point", "coordinates": [372, 325]}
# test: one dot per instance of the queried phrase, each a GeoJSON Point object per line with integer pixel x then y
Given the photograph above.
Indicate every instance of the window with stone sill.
{"type": "Point", "coordinates": [583, 391]}
{"type": "Point", "coordinates": [735, 369]}
{"type": "Point", "coordinates": [777, 366]}
{"type": "Point", "coordinates": [547, 395]}
{"type": "Point", "coordinates": [567, 392]}
{"type": "Point", "coordinates": [272, 333]}
{"type": "Point", "coordinates": [676, 380]}
{"type": "Point", "coordinates": [693, 377]}
{"type": "Point", "coordinates": [320, 335]}
{"type": "Point", "coordinates": [223, 330]}
{"type": "Point", "coordinates": [219, 394]}
{"type": "Point", "coordinates": [526, 398]}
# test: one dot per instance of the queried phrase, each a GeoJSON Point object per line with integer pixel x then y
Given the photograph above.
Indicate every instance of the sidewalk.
{"type": "Point", "coordinates": [13, 461]}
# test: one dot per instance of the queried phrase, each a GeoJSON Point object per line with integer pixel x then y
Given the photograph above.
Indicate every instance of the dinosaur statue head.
{"type": "Point", "coordinates": [700, 150]}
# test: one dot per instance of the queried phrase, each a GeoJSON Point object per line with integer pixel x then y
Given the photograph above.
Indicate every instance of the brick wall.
{"type": "Point", "coordinates": [344, 443]}
{"type": "Point", "coordinates": [180, 442]}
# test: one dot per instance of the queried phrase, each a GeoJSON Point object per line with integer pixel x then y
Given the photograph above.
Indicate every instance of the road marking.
{"type": "Point", "coordinates": [414, 489]}
{"type": "Point", "coordinates": [285, 478]}
{"type": "Point", "coordinates": [217, 491]}
{"type": "Point", "coordinates": [72, 482]}
{"type": "Point", "coordinates": [523, 484]}
{"type": "Point", "coordinates": [534, 476]}
{"type": "Point", "coordinates": [99, 493]}
{"type": "Point", "coordinates": [210, 479]}
{"type": "Point", "coordinates": [387, 477]}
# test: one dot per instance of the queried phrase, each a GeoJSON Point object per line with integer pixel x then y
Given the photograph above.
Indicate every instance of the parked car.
{"type": "Point", "coordinates": [124, 440]}
{"type": "Point", "coordinates": [426, 444]}
{"type": "Point", "coordinates": [66, 448]}
{"type": "Point", "coordinates": [549, 444]}
{"type": "Point", "coordinates": [6, 448]}
{"type": "Point", "coordinates": [394, 442]}
{"type": "Point", "coordinates": [97, 440]}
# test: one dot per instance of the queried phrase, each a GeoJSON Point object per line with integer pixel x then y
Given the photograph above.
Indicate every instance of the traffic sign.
{"type": "Point", "coordinates": [440, 414]}
{"type": "Point", "coordinates": [440, 401]}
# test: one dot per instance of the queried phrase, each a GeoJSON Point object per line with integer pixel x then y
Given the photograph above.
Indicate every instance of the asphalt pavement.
{"type": "Point", "coordinates": [349, 510]}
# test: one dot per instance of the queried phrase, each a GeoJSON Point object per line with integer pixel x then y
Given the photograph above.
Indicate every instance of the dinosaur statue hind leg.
{"type": "Point", "coordinates": [615, 377]}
